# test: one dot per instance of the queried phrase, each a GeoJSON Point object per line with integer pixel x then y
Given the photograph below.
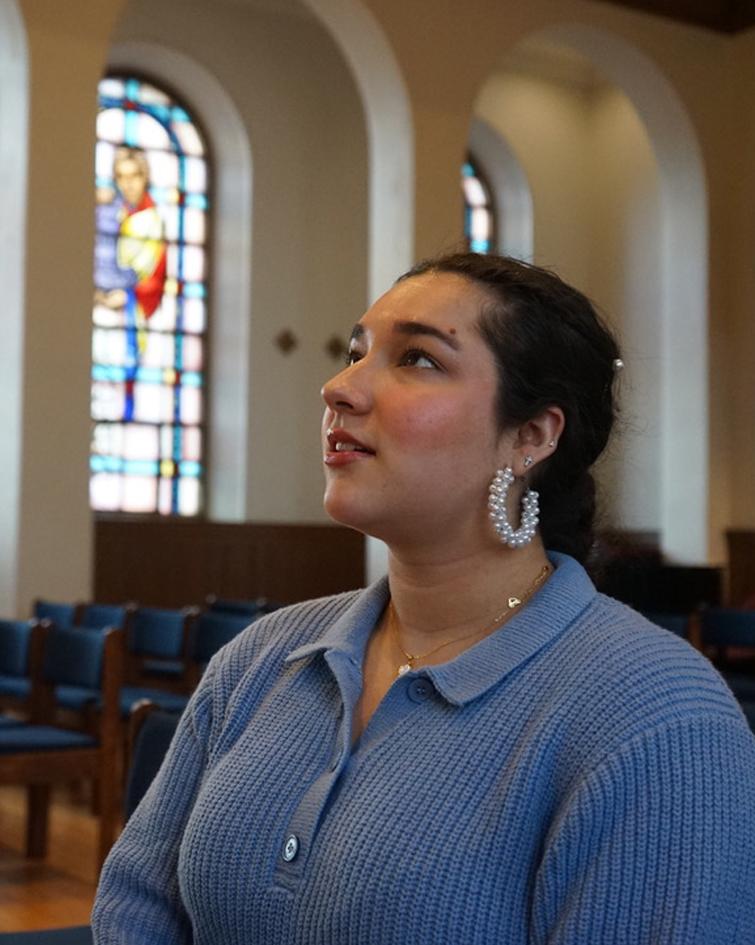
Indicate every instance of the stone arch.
{"type": "Point", "coordinates": [14, 116]}
{"type": "Point", "coordinates": [511, 190]}
{"type": "Point", "coordinates": [391, 156]}
{"type": "Point", "coordinates": [373, 63]}
{"type": "Point", "coordinates": [228, 423]}
{"type": "Point", "coordinates": [683, 407]}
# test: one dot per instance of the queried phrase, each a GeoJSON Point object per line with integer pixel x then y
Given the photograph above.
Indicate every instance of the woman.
{"type": "Point", "coordinates": [479, 749]}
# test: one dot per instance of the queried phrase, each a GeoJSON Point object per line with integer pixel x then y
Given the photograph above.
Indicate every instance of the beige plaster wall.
{"type": "Point", "coordinates": [66, 46]}
{"type": "Point", "coordinates": [733, 381]}
{"type": "Point", "coordinates": [624, 278]}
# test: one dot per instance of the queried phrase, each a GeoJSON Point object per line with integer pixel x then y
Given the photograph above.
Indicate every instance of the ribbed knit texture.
{"type": "Point", "coordinates": [579, 777]}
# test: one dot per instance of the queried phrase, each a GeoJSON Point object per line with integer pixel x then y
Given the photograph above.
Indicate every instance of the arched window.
{"type": "Point", "coordinates": [150, 303]}
{"type": "Point", "coordinates": [479, 215]}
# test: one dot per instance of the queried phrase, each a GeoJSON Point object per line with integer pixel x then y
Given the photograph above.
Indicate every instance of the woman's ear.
{"type": "Point", "coordinates": [536, 440]}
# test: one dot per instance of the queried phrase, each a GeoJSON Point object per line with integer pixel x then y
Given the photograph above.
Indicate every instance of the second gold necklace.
{"type": "Point", "coordinates": [512, 604]}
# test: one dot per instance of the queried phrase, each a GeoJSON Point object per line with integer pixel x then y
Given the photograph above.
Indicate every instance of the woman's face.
{"type": "Point", "coordinates": [413, 441]}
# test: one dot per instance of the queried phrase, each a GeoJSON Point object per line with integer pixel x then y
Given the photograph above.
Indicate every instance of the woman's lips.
{"type": "Point", "coordinates": [344, 457]}
{"type": "Point", "coordinates": [344, 448]}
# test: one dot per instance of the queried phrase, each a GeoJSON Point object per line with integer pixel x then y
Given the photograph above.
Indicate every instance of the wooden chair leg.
{"type": "Point", "coordinates": [37, 814]}
{"type": "Point", "coordinates": [109, 820]}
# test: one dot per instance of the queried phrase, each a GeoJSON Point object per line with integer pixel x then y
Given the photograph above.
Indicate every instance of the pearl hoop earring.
{"type": "Point", "coordinates": [499, 490]}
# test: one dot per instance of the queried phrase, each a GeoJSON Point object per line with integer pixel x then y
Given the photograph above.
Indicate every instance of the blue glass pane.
{"type": "Point", "coordinates": [190, 468]}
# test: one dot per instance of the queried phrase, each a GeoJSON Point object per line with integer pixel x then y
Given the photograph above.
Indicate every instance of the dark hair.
{"type": "Point", "coordinates": [552, 349]}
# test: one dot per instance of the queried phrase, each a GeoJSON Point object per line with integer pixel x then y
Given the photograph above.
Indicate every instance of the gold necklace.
{"type": "Point", "coordinates": [511, 605]}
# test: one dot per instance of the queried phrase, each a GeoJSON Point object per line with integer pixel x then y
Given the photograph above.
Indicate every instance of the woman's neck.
{"type": "Point", "coordinates": [438, 597]}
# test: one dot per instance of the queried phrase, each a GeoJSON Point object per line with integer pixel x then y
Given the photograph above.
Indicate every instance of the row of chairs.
{"type": "Point", "coordinates": [67, 687]}
{"type": "Point", "coordinates": [166, 650]}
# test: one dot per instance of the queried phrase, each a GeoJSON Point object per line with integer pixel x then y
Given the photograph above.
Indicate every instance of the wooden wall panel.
{"type": "Point", "coordinates": [172, 563]}
{"type": "Point", "coordinates": [741, 546]}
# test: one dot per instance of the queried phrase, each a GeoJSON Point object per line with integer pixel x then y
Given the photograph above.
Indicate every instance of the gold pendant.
{"type": "Point", "coordinates": [404, 668]}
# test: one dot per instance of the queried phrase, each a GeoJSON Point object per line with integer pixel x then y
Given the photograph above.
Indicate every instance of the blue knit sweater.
{"type": "Point", "coordinates": [580, 776]}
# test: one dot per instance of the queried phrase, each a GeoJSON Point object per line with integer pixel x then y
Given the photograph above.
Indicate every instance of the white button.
{"type": "Point", "coordinates": [290, 848]}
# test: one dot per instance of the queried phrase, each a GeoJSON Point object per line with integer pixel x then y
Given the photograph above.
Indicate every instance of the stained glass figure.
{"type": "Point", "coordinates": [479, 215]}
{"type": "Point", "coordinates": [150, 290]}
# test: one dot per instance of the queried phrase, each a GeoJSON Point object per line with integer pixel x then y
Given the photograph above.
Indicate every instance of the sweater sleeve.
{"type": "Point", "coordinates": [138, 898]}
{"type": "Point", "coordinates": [656, 845]}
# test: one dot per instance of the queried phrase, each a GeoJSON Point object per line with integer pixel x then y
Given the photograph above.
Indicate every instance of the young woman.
{"type": "Point", "coordinates": [479, 748]}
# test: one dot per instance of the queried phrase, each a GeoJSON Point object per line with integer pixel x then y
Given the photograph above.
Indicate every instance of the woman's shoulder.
{"type": "Point", "coordinates": [613, 679]}
{"type": "Point", "coordinates": [641, 668]}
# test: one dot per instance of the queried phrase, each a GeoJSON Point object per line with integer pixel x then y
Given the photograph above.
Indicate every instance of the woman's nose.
{"type": "Point", "coordinates": [348, 390]}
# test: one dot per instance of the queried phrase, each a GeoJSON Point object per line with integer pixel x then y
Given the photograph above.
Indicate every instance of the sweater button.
{"type": "Point", "coordinates": [419, 689]}
{"type": "Point", "coordinates": [290, 848]}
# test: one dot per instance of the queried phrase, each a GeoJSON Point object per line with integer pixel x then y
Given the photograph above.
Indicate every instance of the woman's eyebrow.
{"type": "Point", "coordinates": [420, 328]}
{"type": "Point", "coordinates": [411, 328]}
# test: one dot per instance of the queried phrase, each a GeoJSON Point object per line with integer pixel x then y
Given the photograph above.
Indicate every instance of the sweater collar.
{"type": "Point", "coordinates": [549, 612]}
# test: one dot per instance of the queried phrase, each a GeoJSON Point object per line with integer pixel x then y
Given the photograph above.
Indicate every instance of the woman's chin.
{"type": "Point", "coordinates": [348, 511]}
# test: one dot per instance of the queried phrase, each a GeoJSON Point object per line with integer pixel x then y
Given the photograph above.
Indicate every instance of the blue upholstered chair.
{"type": "Point", "coordinates": [150, 734]}
{"type": "Point", "coordinates": [151, 731]}
{"type": "Point", "coordinates": [212, 631]}
{"type": "Point", "coordinates": [98, 616]}
{"type": "Point", "coordinates": [722, 628]}
{"type": "Point", "coordinates": [159, 647]}
{"type": "Point", "coordinates": [677, 624]}
{"type": "Point", "coordinates": [19, 641]}
{"type": "Point", "coordinates": [250, 608]}
{"type": "Point", "coordinates": [73, 665]}
{"type": "Point", "coordinates": [76, 935]}
{"type": "Point", "coordinates": [208, 633]}
{"type": "Point", "coordinates": [40, 752]}
{"type": "Point", "coordinates": [57, 612]}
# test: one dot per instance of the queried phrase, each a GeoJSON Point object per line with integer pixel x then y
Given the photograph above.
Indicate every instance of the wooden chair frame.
{"type": "Point", "coordinates": [100, 763]}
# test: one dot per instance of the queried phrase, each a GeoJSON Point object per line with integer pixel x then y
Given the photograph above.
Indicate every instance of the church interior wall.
{"type": "Point", "coordinates": [308, 262]}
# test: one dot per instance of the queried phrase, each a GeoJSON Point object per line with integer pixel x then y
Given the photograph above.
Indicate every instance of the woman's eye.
{"type": "Point", "coordinates": [352, 357]}
{"type": "Point", "coordinates": [416, 357]}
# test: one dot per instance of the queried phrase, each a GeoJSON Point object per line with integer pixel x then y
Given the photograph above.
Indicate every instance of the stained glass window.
{"type": "Point", "coordinates": [150, 303]}
{"type": "Point", "coordinates": [479, 217]}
